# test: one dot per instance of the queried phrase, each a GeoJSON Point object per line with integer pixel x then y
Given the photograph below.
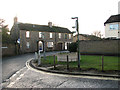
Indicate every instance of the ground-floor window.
{"type": "Point", "coordinates": [49, 44]}
{"type": "Point", "coordinates": [28, 45]}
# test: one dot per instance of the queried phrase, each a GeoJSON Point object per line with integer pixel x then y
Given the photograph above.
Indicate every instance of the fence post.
{"type": "Point", "coordinates": [54, 62]}
{"type": "Point", "coordinates": [102, 63]}
{"type": "Point", "coordinates": [67, 63]}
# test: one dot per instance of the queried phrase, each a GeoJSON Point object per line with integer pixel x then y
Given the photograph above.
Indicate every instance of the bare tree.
{"type": "Point", "coordinates": [97, 34]}
{"type": "Point", "coordinates": [2, 23]}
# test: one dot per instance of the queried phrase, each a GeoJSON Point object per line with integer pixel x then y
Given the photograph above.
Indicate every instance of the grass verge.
{"type": "Point", "coordinates": [87, 62]}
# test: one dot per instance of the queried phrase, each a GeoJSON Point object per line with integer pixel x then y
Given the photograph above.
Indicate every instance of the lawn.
{"type": "Point", "coordinates": [87, 62]}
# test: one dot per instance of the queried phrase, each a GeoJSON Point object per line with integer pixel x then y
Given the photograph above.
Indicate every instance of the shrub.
{"type": "Point", "coordinates": [73, 47]}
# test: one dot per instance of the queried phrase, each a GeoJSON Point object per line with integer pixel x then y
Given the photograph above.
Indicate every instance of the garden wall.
{"type": "Point", "coordinates": [109, 47]}
{"type": "Point", "coordinates": [8, 49]}
{"type": "Point", "coordinates": [63, 56]}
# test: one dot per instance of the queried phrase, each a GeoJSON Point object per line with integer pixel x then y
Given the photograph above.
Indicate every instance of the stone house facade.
{"type": "Point", "coordinates": [33, 37]}
{"type": "Point", "coordinates": [112, 26]}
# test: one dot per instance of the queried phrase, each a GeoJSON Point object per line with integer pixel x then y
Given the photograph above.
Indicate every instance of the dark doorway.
{"type": "Point", "coordinates": [59, 46]}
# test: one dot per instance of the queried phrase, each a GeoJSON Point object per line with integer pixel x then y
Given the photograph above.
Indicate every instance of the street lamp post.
{"type": "Point", "coordinates": [43, 36]}
{"type": "Point", "coordinates": [77, 29]}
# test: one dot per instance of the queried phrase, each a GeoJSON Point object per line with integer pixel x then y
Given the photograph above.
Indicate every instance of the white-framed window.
{"type": "Point", "coordinates": [40, 34]}
{"type": "Point", "coordinates": [27, 34]}
{"type": "Point", "coordinates": [70, 36]}
{"type": "Point", "coordinates": [114, 26]}
{"type": "Point", "coordinates": [50, 35]}
{"type": "Point", "coordinates": [59, 35]}
{"type": "Point", "coordinates": [49, 44]}
{"type": "Point", "coordinates": [28, 45]}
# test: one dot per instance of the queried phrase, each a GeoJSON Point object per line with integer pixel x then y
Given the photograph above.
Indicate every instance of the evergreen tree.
{"type": "Point", "coordinates": [4, 30]}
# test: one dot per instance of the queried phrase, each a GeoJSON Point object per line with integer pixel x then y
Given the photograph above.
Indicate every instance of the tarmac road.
{"type": "Point", "coordinates": [32, 78]}
{"type": "Point", "coordinates": [10, 65]}
{"type": "Point", "coordinates": [25, 77]}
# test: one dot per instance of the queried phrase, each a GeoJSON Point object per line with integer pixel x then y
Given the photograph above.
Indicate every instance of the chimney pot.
{"type": "Point", "coordinates": [50, 24]}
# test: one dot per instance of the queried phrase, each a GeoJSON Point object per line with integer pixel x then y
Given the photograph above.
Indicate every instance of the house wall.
{"type": "Point", "coordinates": [34, 37]}
{"type": "Point", "coordinates": [112, 33]}
{"type": "Point", "coordinates": [15, 32]}
{"type": "Point", "coordinates": [100, 47]}
{"type": "Point", "coordinates": [9, 51]}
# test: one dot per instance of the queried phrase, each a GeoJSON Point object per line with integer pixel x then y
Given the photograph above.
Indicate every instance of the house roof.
{"type": "Point", "coordinates": [42, 28]}
{"type": "Point", "coordinates": [113, 18]}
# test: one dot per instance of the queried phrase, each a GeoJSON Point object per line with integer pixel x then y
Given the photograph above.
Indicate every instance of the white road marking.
{"type": "Point", "coordinates": [21, 75]}
{"type": "Point", "coordinates": [18, 72]}
{"type": "Point", "coordinates": [64, 75]}
{"type": "Point", "coordinates": [11, 84]}
{"type": "Point", "coordinates": [18, 78]}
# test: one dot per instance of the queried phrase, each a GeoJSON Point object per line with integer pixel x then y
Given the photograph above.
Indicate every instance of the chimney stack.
{"type": "Point", "coordinates": [15, 19]}
{"type": "Point", "coordinates": [50, 24]}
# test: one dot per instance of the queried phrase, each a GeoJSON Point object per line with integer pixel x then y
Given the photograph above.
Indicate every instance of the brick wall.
{"type": "Point", "coordinates": [9, 51]}
{"type": "Point", "coordinates": [100, 47]}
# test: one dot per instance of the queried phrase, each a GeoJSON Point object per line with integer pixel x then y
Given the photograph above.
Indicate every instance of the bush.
{"type": "Point", "coordinates": [73, 47]}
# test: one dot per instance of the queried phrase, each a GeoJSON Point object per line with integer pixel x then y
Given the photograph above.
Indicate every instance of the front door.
{"type": "Point", "coordinates": [59, 46]}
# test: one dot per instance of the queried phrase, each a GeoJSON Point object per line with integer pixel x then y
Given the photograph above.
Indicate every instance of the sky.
{"type": "Point", "coordinates": [91, 13]}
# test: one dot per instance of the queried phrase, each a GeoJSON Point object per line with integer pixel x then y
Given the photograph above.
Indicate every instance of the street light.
{"type": "Point", "coordinates": [77, 29]}
{"type": "Point", "coordinates": [43, 36]}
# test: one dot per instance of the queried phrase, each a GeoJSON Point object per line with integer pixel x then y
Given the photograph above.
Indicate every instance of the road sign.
{"type": "Point", "coordinates": [18, 41]}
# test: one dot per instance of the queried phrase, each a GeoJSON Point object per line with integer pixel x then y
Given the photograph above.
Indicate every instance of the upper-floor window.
{"type": "Point", "coordinates": [70, 36]}
{"type": "Point", "coordinates": [27, 34]}
{"type": "Point", "coordinates": [50, 35]}
{"type": "Point", "coordinates": [113, 26]}
{"type": "Point", "coordinates": [40, 34]}
{"type": "Point", "coordinates": [65, 36]}
{"type": "Point", "coordinates": [59, 35]}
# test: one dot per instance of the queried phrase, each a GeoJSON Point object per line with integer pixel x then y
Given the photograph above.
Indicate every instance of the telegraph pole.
{"type": "Point", "coordinates": [78, 51]}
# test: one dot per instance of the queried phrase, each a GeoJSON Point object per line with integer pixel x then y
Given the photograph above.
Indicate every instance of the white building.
{"type": "Point", "coordinates": [112, 27]}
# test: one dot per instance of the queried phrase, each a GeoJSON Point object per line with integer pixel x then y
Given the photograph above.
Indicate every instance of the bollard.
{"type": "Point", "coordinates": [54, 63]}
{"type": "Point", "coordinates": [102, 63]}
{"type": "Point", "coordinates": [36, 56]}
{"type": "Point", "coordinates": [67, 63]}
{"type": "Point", "coordinates": [39, 58]}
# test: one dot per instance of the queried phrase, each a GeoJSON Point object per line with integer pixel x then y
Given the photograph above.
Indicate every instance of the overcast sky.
{"type": "Point", "coordinates": [91, 13]}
